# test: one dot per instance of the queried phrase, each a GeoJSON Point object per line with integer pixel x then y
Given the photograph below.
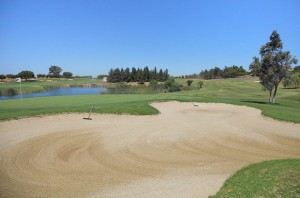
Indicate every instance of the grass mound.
{"type": "Point", "coordinates": [276, 178]}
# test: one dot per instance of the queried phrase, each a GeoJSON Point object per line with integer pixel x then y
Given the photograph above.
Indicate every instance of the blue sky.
{"type": "Point", "coordinates": [88, 37]}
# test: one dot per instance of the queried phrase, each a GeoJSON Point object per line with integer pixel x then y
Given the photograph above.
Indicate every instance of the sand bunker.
{"type": "Point", "coordinates": [186, 151]}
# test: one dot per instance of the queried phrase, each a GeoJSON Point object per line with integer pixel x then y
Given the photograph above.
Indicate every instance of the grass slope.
{"type": "Point", "coordinates": [232, 91]}
{"type": "Point", "coordinates": [276, 178]}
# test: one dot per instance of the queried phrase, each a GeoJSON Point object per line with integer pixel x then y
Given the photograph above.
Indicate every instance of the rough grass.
{"type": "Point", "coordinates": [276, 178]}
{"type": "Point", "coordinates": [231, 91]}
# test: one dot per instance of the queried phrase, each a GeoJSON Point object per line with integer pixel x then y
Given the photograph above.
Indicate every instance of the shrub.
{"type": "Point", "coordinates": [8, 92]}
{"type": "Point", "coordinates": [200, 84]}
{"type": "Point", "coordinates": [171, 86]}
{"type": "Point", "coordinates": [153, 83]}
{"type": "Point", "coordinates": [189, 82]}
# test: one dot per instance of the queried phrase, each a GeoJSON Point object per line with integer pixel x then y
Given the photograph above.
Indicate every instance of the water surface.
{"type": "Point", "coordinates": [60, 92]}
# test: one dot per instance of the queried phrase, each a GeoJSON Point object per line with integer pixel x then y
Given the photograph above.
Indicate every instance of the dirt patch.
{"type": "Point", "coordinates": [186, 151]}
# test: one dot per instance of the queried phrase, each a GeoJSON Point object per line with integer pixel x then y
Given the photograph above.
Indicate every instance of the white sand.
{"type": "Point", "coordinates": [186, 151]}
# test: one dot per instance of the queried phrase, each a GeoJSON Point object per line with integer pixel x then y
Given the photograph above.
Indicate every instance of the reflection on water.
{"type": "Point", "coordinates": [60, 92]}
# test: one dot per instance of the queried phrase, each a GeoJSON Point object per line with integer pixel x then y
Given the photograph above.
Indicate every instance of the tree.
{"type": "Point", "coordinates": [292, 80]}
{"type": "Point", "coordinates": [189, 82]}
{"type": "Point", "coordinates": [233, 71]}
{"type": "Point", "coordinates": [67, 75]}
{"type": "Point", "coordinates": [200, 84]}
{"type": "Point", "coordinates": [217, 72]}
{"type": "Point", "coordinates": [50, 76]}
{"type": "Point", "coordinates": [273, 66]}
{"type": "Point", "coordinates": [287, 81]}
{"type": "Point", "coordinates": [160, 76]}
{"type": "Point", "coordinates": [204, 74]}
{"type": "Point", "coordinates": [296, 79]}
{"type": "Point", "coordinates": [146, 74]}
{"type": "Point", "coordinates": [26, 74]}
{"type": "Point", "coordinates": [114, 75]}
{"type": "Point", "coordinates": [101, 76]}
{"type": "Point", "coordinates": [55, 71]}
{"type": "Point", "coordinates": [154, 74]}
{"type": "Point", "coordinates": [41, 75]}
{"type": "Point", "coordinates": [11, 76]}
{"type": "Point", "coordinates": [122, 75]}
{"type": "Point", "coordinates": [2, 77]}
{"type": "Point", "coordinates": [166, 75]}
{"type": "Point", "coordinates": [133, 75]}
{"type": "Point", "coordinates": [127, 75]}
{"type": "Point", "coordinates": [171, 86]}
{"type": "Point", "coordinates": [140, 76]}
{"type": "Point", "coordinates": [297, 68]}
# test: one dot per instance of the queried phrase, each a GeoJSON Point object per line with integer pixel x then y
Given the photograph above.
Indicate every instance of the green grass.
{"type": "Point", "coordinates": [276, 178]}
{"type": "Point", "coordinates": [230, 91]}
{"type": "Point", "coordinates": [118, 104]}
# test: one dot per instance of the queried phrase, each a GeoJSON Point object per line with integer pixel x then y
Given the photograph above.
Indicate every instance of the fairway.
{"type": "Point", "coordinates": [232, 91]}
{"type": "Point", "coordinates": [186, 150]}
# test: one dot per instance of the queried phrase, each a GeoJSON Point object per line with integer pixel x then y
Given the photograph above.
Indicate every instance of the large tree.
{"type": "Point", "coordinates": [68, 74]}
{"type": "Point", "coordinates": [273, 66]}
{"type": "Point", "coordinates": [55, 71]}
{"type": "Point", "coordinates": [26, 74]}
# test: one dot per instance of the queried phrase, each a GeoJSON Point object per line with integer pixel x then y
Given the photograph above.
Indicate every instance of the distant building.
{"type": "Point", "coordinates": [104, 79]}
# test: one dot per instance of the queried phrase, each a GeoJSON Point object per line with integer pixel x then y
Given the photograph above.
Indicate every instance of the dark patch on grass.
{"type": "Point", "coordinates": [254, 101]}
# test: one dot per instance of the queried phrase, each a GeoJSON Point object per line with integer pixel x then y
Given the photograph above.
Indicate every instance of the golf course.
{"type": "Point", "coordinates": [150, 99]}
{"type": "Point", "coordinates": [223, 140]}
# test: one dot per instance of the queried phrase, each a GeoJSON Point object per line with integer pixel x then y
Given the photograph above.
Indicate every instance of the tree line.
{"type": "Point", "coordinates": [54, 72]}
{"type": "Point", "coordinates": [227, 72]}
{"type": "Point", "coordinates": [137, 75]}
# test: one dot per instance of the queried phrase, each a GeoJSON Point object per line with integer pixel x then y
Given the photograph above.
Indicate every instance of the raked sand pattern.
{"type": "Point", "coordinates": [186, 151]}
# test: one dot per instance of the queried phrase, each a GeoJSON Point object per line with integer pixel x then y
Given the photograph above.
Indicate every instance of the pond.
{"type": "Point", "coordinates": [60, 92]}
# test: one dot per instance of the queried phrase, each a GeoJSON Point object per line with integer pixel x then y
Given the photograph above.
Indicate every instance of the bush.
{"type": "Point", "coordinates": [141, 82]}
{"type": "Point", "coordinates": [153, 83]}
{"type": "Point", "coordinates": [171, 86]}
{"type": "Point", "coordinates": [8, 92]}
{"type": "Point", "coordinates": [200, 84]}
{"type": "Point", "coordinates": [292, 80]}
{"type": "Point", "coordinates": [189, 82]}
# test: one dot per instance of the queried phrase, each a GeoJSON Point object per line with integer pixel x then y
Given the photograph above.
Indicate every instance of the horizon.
{"type": "Point", "coordinates": [90, 38]}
